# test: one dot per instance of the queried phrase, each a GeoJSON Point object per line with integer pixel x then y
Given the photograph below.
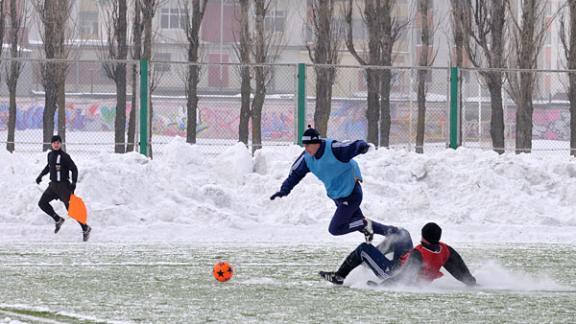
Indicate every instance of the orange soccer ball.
{"type": "Point", "coordinates": [222, 271]}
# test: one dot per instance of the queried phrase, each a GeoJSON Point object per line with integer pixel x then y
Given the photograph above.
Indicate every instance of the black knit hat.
{"type": "Point", "coordinates": [56, 138]}
{"type": "Point", "coordinates": [311, 136]}
{"type": "Point", "coordinates": [431, 232]}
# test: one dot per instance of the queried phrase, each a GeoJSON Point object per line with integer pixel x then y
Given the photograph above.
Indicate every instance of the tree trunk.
{"type": "Point", "coordinates": [120, 120]}
{"type": "Point", "coordinates": [136, 55]}
{"type": "Point", "coordinates": [388, 39]}
{"type": "Point", "coordinates": [244, 48]}
{"type": "Point", "coordinates": [192, 102]}
{"type": "Point", "coordinates": [385, 116]}
{"type": "Point", "coordinates": [50, 104]}
{"type": "Point", "coordinates": [421, 123]}
{"type": "Point", "coordinates": [494, 82]}
{"type": "Point", "coordinates": [245, 90]}
{"type": "Point", "coordinates": [61, 103]}
{"type": "Point", "coordinates": [260, 55]}
{"type": "Point", "coordinates": [572, 97]}
{"type": "Point", "coordinates": [524, 112]}
{"type": "Point", "coordinates": [570, 51]}
{"type": "Point", "coordinates": [373, 109]}
{"type": "Point", "coordinates": [421, 79]}
{"type": "Point", "coordinates": [12, 80]}
{"type": "Point", "coordinates": [10, 145]}
{"type": "Point", "coordinates": [132, 116]}
{"type": "Point", "coordinates": [324, 81]}
{"type": "Point", "coordinates": [120, 30]}
{"type": "Point", "coordinates": [326, 53]}
{"type": "Point", "coordinates": [193, 23]}
{"type": "Point", "coordinates": [257, 105]}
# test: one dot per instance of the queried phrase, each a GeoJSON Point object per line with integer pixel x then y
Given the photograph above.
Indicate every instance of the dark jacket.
{"type": "Point", "coordinates": [59, 166]}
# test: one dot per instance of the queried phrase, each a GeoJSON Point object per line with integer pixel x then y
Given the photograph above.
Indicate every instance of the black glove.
{"type": "Point", "coordinates": [365, 149]}
{"type": "Point", "coordinates": [39, 179]}
{"type": "Point", "coordinates": [72, 186]}
{"type": "Point", "coordinates": [279, 194]}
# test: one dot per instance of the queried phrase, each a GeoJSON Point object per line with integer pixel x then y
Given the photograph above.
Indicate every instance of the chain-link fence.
{"type": "Point", "coordinates": [219, 106]}
{"type": "Point", "coordinates": [90, 106]}
{"type": "Point", "coordinates": [550, 104]}
{"type": "Point", "coordinates": [348, 117]}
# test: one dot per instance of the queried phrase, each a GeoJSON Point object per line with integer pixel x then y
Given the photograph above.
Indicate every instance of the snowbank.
{"type": "Point", "coordinates": [188, 195]}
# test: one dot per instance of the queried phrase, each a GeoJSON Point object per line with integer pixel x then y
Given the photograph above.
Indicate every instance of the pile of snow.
{"type": "Point", "coordinates": [188, 195]}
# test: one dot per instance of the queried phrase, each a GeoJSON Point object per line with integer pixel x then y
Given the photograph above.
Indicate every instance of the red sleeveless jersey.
{"type": "Point", "coordinates": [433, 261]}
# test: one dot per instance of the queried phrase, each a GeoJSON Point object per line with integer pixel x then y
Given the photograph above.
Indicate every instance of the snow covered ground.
{"type": "Point", "coordinates": [188, 195]}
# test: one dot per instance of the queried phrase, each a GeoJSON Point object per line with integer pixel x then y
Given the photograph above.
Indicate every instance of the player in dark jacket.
{"type": "Point", "coordinates": [332, 162]}
{"type": "Point", "coordinates": [59, 166]}
{"type": "Point", "coordinates": [408, 266]}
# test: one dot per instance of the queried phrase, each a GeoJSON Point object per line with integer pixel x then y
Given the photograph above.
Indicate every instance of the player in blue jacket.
{"type": "Point", "coordinates": [332, 162]}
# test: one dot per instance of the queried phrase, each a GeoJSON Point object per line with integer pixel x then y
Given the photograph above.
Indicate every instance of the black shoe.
{"type": "Point", "coordinates": [332, 277]}
{"type": "Point", "coordinates": [59, 223]}
{"type": "Point", "coordinates": [368, 231]}
{"type": "Point", "coordinates": [86, 233]}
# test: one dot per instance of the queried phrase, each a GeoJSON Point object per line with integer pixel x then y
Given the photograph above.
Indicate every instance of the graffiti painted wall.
{"type": "Point", "coordinates": [218, 118]}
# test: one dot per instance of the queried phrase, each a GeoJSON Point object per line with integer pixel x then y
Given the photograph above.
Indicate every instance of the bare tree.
{"type": "Point", "coordinates": [484, 26]}
{"type": "Point", "coordinates": [18, 20]}
{"type": "Point", "coordinates": [527, 41]}
{"type": "Point", "coordinates": [568, 38]}
{"type": "Point", "coordinates": [424, 59]}
{"type": "Point", "coordinates": [383, 32]}
{"type": "Point", "coordinates": [243, 50]}
{"type": "Point", "coordinates": [9, 141]}
{"type": "Point", "coordinates": [137, 30]}
{"type": "Point", "coordinates": [55, 19]}
{"type": "Point", "coordinates": [193, 22]}
{"type": "Point", "coordinates": [267, 43]}
{"type": "Point", "coordinates": [257, 46]}
{"type": "Point", "coordinates": [392, 29]}
{"type": "Point", "coordinates": [371, 19]}
{"type": "Point", "coordinates": [324, 53]}
{"type": "Point", "coordinates": [117, 49]}
{"type": "Point", "coordinates": [2, 23]}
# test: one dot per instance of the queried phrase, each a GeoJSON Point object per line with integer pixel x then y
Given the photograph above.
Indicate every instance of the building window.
{"type": "Point", "coordinates": [88, 24]}
{"type": "Point", "coordinates": [172, 18]}
{"type": "Point", "coordinates": [275, 20]}
{"type": "Point", "coordinates": [162, 58]}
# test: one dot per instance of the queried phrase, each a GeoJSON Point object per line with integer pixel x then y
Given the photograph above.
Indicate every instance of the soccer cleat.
{"type": "Point", "coordinates": [86, 233]}
{"type": "Point", "coordinates": [332, 277]}
{"type": "Point", "coordinates": [59, 223]}
{"type": "Point", "coordinates": [368, 231]}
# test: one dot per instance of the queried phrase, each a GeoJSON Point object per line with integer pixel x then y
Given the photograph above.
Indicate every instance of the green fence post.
{"type": "Point", "coordinates": [301, 118]}
{"type": "Point", "coordinates": [144, 107]}
{"type": "Point", "coordinates": [454, 125]}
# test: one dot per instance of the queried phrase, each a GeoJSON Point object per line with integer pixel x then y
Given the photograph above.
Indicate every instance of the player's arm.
{"type": "Point", "coordinates": [297, 172]}
{"type": "Point", "coordinates": [458, 269]}
{"type": "Point", "coordinates": [346, 151]}
{"type": "Point", "coordinates": [44, 172]}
